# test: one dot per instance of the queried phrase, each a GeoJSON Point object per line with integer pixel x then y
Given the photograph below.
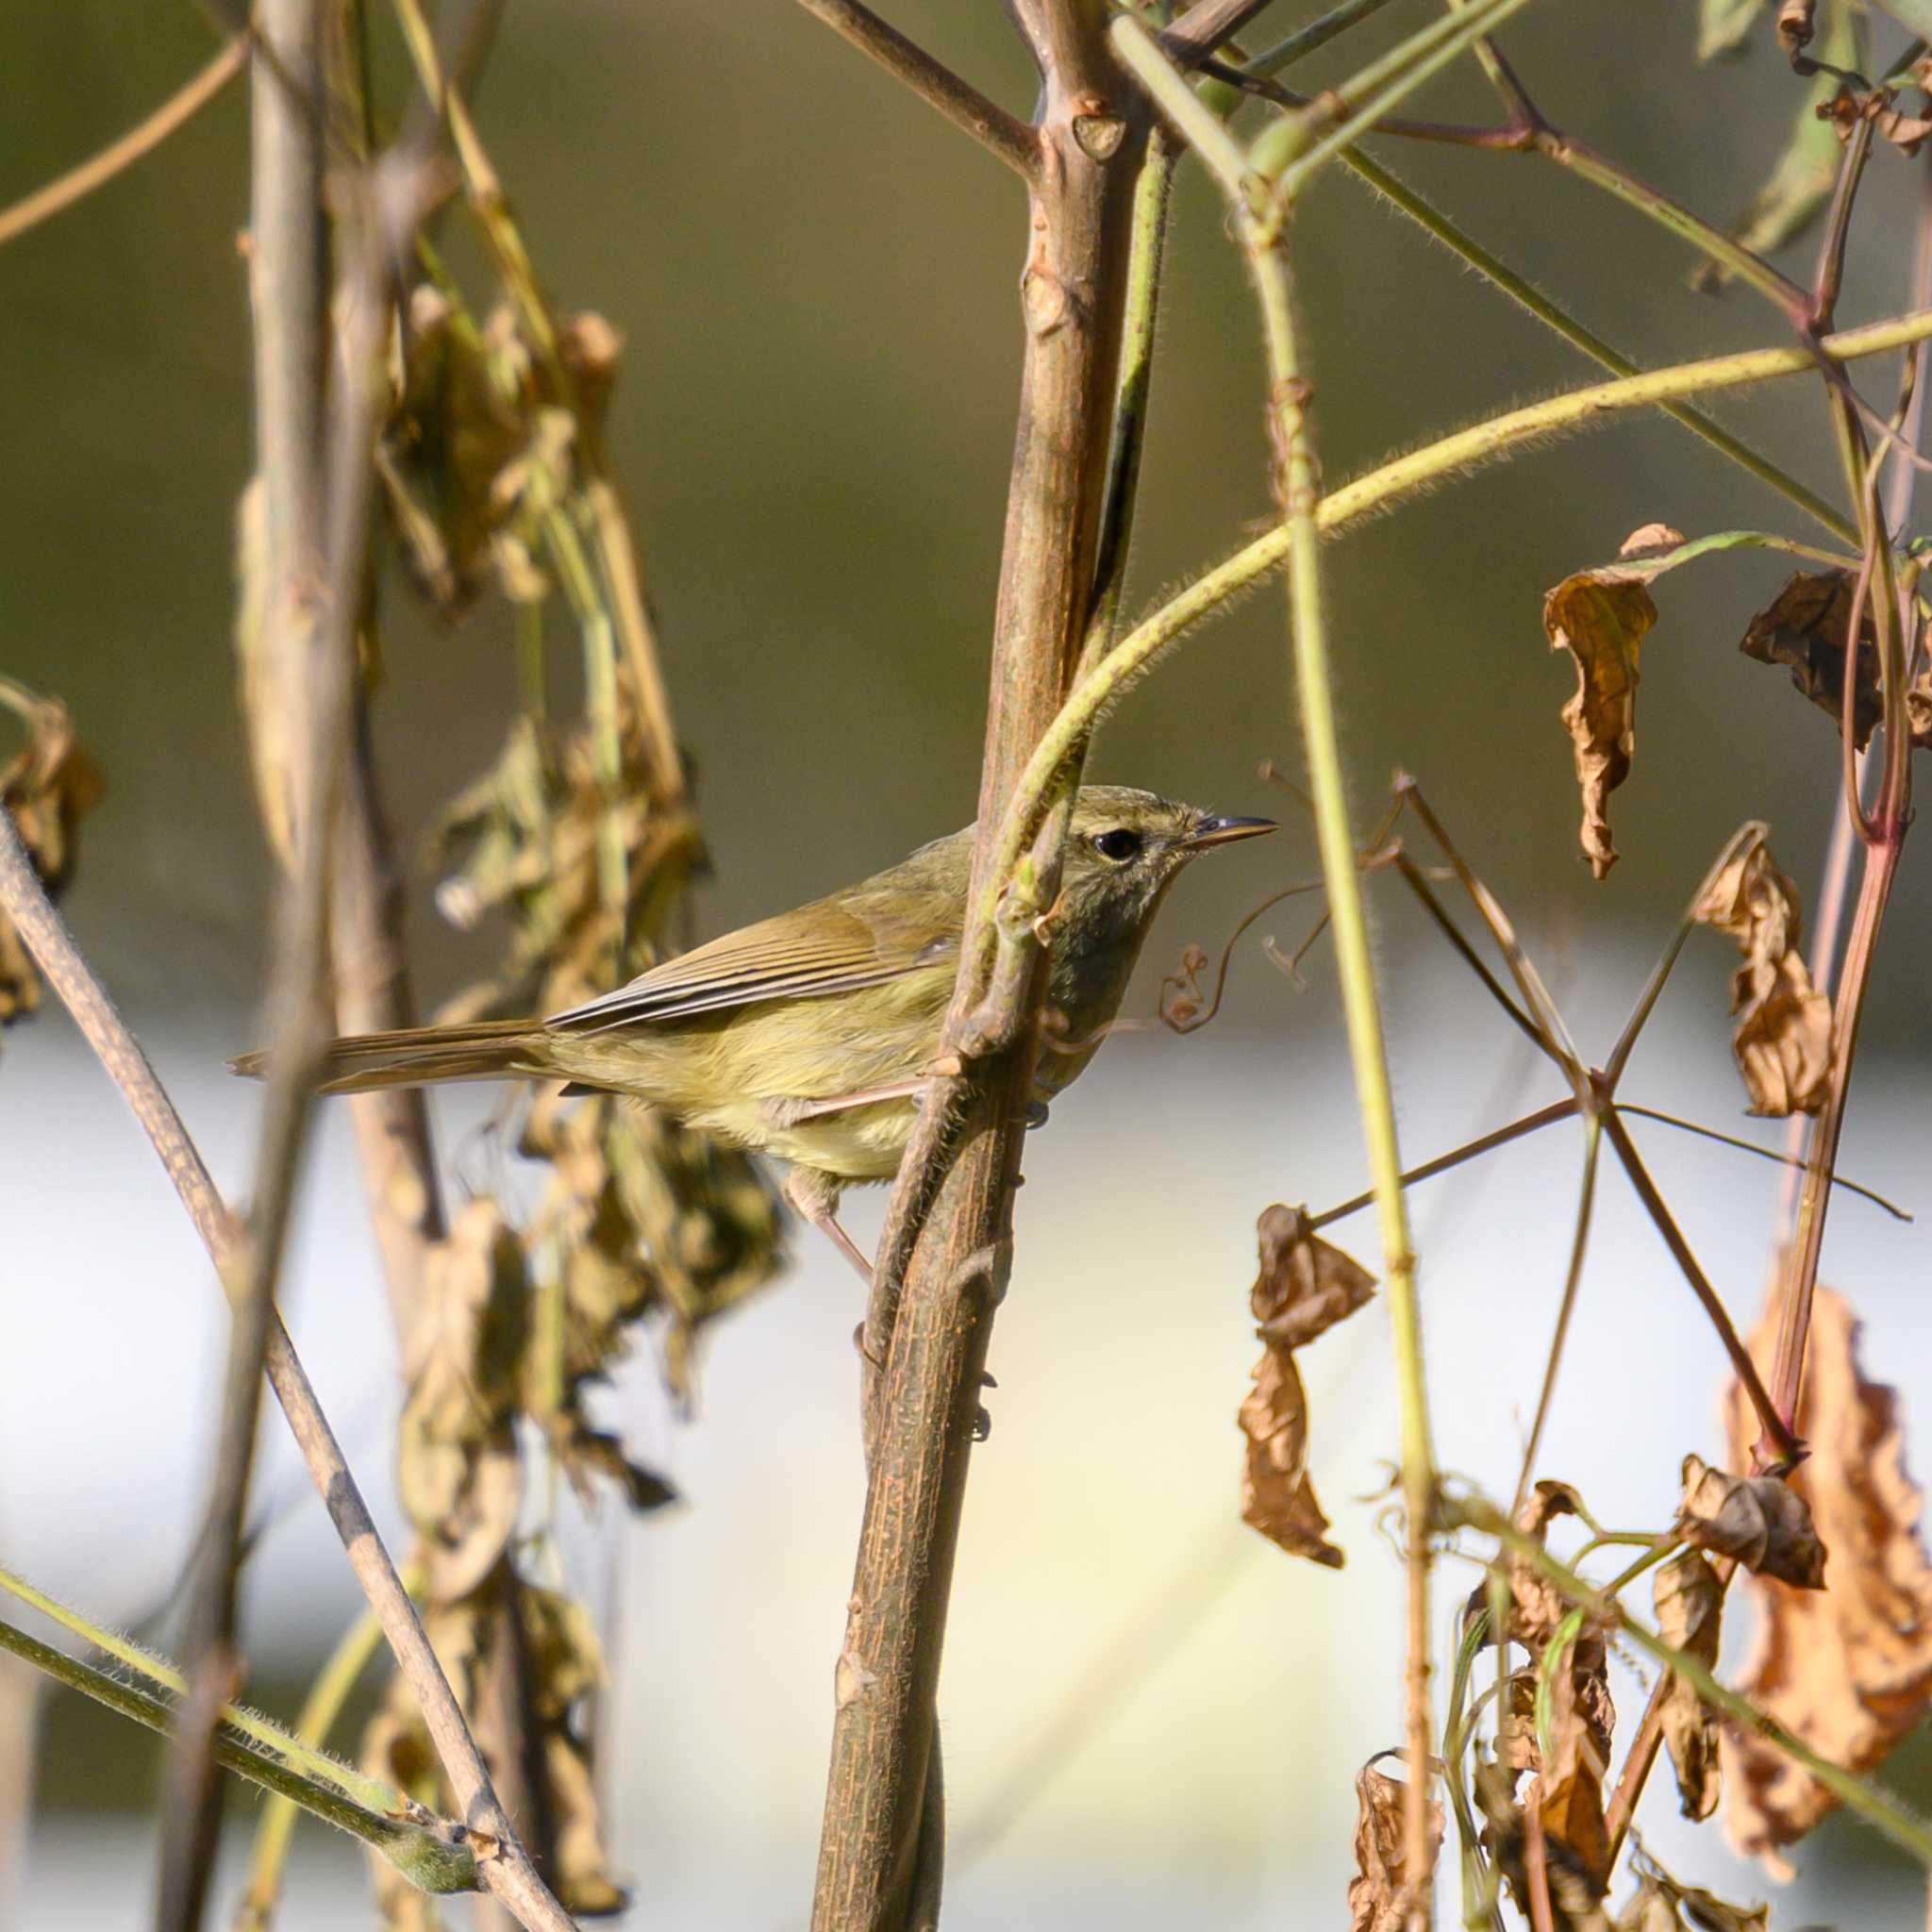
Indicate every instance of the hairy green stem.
{"type": "Point", "coordinates": [429, 1852]}
{"type": "Point", "coordinates": [1877, 1807]}
{"type": "Point", "coordinates": [1494, 440]}
{"type": "Point", "coordinates": [1297, 488]}
{"type": "Point", "coordinates": [1553, 316]}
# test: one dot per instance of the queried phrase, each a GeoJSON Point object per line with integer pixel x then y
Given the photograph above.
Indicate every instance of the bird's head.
{"type": "Point", "coordinates": [1125, 848]}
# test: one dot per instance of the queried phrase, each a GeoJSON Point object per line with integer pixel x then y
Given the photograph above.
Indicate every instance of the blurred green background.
{"type": "Point", "coordinates": [815, 278]}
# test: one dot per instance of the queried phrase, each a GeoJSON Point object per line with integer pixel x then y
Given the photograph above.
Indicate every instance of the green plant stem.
{"type": "Point", "coordinates": [1297, 488]}
{"type": "Point", "coordinates": [1878, 1809]}
{"type": "Point", "coordinates": [428, 1851]}
{"type": "Point", "coordinates": [1317, 34]}
{"type": "Point", "coordinates": [1732, 256]}
{"type": "Point", "coordinates": [320, 1710]}
{"type": "Point", "coordinates": [370, 1792]}
{"type": "Point", "coordinates": [1284, 156]}
{"type": "Point", "coordinates": [1146, 249]}
{"type": "Point", "coordinates": [1554, 317]}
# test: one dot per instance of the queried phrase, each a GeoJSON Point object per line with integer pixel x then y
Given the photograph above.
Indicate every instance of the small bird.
{"type": "Point", "coordinates": [810, 1037]}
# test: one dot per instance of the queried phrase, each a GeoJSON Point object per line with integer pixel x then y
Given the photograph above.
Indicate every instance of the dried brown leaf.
{"type": "Point", "coordinates": [1782, 1039]}
{"type": "Point", "coordinates": [1806, 629]}
{"type": "Point", "coordinates": [452, 433]}
{"type": "Point", "coordinates": [1690, 1609]}
{"type": "Point", "coordinates": [1600, 617]}
{"type": "Point", "coordinates": [1576, 1901]}
{"type": "Point", "coordinates": [1761, 1521]}
{"type": "Point", "coordinates": [457, 1470]}
{"type": "Point", "coordinates": [1382, 1892]}
{"type": "Point", "coordinates": [48, 786]}
{"type": "Point", "coordinates": [1661, 1905]}
{"type": "Point", "coordinates": [565, 1664]}
{"type": "Point", "coordinates": [1305, 1286]}
{"type": "Point", "coordinates": [1650, 1909]}
{"type": "Point", "coordinates": [1536, 1605]}
{"type": "Point", "coordinates": [1847, 1668]}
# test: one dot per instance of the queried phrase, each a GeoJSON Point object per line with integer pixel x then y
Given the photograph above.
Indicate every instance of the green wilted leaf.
{"type": "Point", "coordinates": [1722, 25]}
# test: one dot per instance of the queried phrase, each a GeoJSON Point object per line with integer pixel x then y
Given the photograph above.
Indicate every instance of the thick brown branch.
{"type": "Point", "coordinates": [962, 104]}
{"type": "Point", "coordinates": [874, 1857]}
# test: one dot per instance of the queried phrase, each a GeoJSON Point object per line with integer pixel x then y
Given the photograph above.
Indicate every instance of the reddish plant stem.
{"type": "Point", "coordinates": [1800, 1272]}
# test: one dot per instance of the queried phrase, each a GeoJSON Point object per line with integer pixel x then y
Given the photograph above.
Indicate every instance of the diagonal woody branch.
{"type": "Point", "coordinates": [506, 1867]}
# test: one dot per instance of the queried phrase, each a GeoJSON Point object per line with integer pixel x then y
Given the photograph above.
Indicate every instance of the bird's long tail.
{"type": "Point", "coordinates": [416, 1055]}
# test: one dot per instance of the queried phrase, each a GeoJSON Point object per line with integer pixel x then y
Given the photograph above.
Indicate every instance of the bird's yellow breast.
{"type": "Point", "coordinates": [730, 1073]}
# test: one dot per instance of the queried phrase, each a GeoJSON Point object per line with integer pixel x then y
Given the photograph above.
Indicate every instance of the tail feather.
{"type": "Point", "coordinates": [417, 1056]}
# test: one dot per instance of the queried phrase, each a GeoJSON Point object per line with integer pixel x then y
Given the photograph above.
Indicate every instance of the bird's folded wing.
{"type": "Point", "coordinates": [820, 949]}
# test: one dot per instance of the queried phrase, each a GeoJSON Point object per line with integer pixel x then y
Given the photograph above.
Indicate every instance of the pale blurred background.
{"type": "Point", "coordinates": [1149, 1714]}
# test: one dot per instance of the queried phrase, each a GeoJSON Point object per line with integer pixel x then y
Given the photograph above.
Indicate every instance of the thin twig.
{"type": "Point", "coordinates": [1315, 35]}
{"type": "Point", "coordinates": [962, 104]}
{"type": "Point", "coordinates": [1787, 1446]}
{"type": "Point", "coordinates": [1483, 1143]}
{"type": "Point", "coordinates": [181, 108]}
{"type": "Point", "coordinates": [1206, 25]}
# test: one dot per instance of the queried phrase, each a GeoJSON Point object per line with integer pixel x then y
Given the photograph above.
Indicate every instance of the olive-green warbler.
{"type": "Point", "coordinates": [809, 1037]}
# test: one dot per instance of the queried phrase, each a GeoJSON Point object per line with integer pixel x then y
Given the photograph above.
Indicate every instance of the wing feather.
{"type": "Point", "coordinates": [824, 948]}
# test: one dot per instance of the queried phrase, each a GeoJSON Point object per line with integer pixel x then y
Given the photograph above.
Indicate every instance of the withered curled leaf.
{"type": "Point", "coordinates": [1782, 1039]}
{"type": "Point", "coordinates": [1806, 629]}
{"type": "Point", "coordinates": [1305, 1287]}
{"type": "Point", "coordinates": [1848, 1667]}
{"type": "Point", "coordinates": [48, 784]}
{"type": "Point", "coordinates": [1690, 1609]}
{"type": "Point", "coordinates": [1573, 1681]}
{"type": "Point", "coordinates": [1759, 1520]}
{"type": "Point", "coordinates": [1660, 1904]}
{"type": "Point", "coordinates": [1381, 1894]}
{"type": "Point", "coordinates": [507, 1631]}
{"type": "Point", "coordinates": [1599, 617]}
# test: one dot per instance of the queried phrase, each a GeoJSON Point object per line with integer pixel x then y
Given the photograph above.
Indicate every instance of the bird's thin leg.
{"type": "Point", "coordinates": [818, 1202]}
{"type": "Point", "coordinates": [791, 1111]}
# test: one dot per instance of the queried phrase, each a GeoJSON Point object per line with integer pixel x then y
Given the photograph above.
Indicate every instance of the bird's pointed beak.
{"type": "Point", "coordinates": [1223, 831]}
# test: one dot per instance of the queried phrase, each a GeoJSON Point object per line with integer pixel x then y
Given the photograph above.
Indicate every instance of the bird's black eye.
{"type": "Point", "coordinates": [1119, 845]}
